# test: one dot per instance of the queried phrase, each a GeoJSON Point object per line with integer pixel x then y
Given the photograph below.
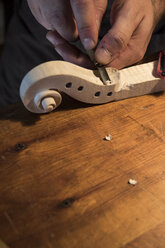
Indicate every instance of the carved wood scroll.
{"type": "Point", "coordinates": [41, 87]}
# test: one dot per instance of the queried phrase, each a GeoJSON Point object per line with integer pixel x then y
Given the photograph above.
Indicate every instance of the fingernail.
{"type": "Point", "coordinates": [88, 43]}
{"type": "Point", "coordinates": [59, 51]}
{"type": "Point", "coordinates": [52, 39]}
{"type": "Point", "coordinates": [103, 56]}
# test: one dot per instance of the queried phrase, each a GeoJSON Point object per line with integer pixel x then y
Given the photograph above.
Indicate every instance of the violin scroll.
{"type": "Point", "coordinates": [40, 89]}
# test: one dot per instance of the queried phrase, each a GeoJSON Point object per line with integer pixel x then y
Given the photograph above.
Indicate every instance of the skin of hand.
{"type": "Point", "coordinates": [71, 18]}
{"type": "Point", "coordinates": [133, 22]}
{"type": "Point", "coordinates": [68, 21]}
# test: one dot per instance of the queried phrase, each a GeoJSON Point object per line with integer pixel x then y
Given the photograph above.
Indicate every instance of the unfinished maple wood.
{"type": "Point", "coordinates": [41, 87]}
{"type": "Point", "coordinates": [62, 185]}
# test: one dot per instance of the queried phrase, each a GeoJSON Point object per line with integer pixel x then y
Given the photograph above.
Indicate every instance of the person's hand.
{"type": "Point", "coordinates": [69, 20]}
{"type": "Point", "coordinates": [133, 22]}
{"type": "Point", "coordinates": [55, 15]}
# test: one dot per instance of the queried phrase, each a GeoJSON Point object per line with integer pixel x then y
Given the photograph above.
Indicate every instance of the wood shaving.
{"type": "Point", "coordinates": [108, 137]}
{"type": "Point", "coordinates": [132, 181]}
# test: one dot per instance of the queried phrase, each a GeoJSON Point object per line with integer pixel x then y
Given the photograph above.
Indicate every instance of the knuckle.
{"type": "Point", "coordinates": [120, 41]}
{"type": "Point", "coordinates": [54, 18]}
{"type": "Point", "coordinates": [100, 8]}
{"type": "Point", "coordinates": [85, 29]}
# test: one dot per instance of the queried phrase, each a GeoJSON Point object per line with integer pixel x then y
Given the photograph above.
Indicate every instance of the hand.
{"type": "Point", "coordinates": [133, 22]}
{"type": "Point", "coordinates": [55, 15]}
{"type": "Point", "coordinates": [69, 20]}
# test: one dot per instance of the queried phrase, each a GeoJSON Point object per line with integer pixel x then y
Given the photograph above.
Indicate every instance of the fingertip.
{"type": "Point", "coordinates": [50, 37]}
{"type": "Point", "coordinates": [55, 38]}
{"type": "Point", "coordinates": [88, 43]}
{"type": "Point", "coordinates": [103, 56]}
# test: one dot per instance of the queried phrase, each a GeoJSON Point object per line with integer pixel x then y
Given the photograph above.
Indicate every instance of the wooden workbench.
{"type": "Point", "coordinates": [63, 186]}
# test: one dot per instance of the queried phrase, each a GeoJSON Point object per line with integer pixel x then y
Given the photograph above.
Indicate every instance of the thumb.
{"type": "Point", "coordinates": [85, 16]}
{"type": "Point", "coordinates": [117, 38]}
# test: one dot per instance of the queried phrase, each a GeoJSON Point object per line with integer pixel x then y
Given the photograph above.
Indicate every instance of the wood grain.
{"type": "Point", "coordinates": [63, 185]}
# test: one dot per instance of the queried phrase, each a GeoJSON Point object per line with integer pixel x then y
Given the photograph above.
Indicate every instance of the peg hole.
{"type": "Point", "coordinates": [80, 88]}
{"type": "Point", "coordinates": [68, 85]}
{"type": "Point", "coordinates": [109, 94]}
{"type": "Point", "coordinates": [98, 93]}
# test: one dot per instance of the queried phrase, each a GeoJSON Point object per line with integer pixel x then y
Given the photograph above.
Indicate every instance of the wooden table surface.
{"type": "Point", "coordinates": [63, 186]}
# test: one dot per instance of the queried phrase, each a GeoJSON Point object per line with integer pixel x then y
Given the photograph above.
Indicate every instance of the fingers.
{"type": "Point", "coordinates": [71, 18]}
{"type": "Point", "coordinates": [135, 49]}
{"type": "Point", "coordinates": [69, 52]}
{"type": "Point", "coordinates": [118, 37]}
{"type": "Point", "coordinates": [100, 7]}
{"type": "Point", "coordinates": [62, 20]}
{"type": "Point", "coordinates": [128, 57]}
{"type": "Point", "coordinates": [55, 15]}
{"type": "Point", "coordinates": [85, 15]}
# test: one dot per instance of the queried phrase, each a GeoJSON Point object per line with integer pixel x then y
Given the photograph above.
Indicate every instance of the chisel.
{"type": "Point", "coordinates": [101, 69]}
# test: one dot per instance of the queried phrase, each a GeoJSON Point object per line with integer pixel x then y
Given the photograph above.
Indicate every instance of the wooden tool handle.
{"type": "Point", "coordinates": [41, 87]}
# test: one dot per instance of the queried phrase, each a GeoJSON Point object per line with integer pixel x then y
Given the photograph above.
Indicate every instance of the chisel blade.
{"type": "Point", "coordinates": [101, 69]}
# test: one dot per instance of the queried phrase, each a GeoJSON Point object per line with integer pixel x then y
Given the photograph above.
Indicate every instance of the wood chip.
{"type": "Point", "coordinates": [132, 181]}
{"type": "Point", "coordinates": [108, 137]}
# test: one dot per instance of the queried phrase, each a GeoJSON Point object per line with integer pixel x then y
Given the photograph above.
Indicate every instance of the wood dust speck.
{"type": "Point", "coordinates": [132, 182]}
{"type": "Point", "coordinates": [108, 137]}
